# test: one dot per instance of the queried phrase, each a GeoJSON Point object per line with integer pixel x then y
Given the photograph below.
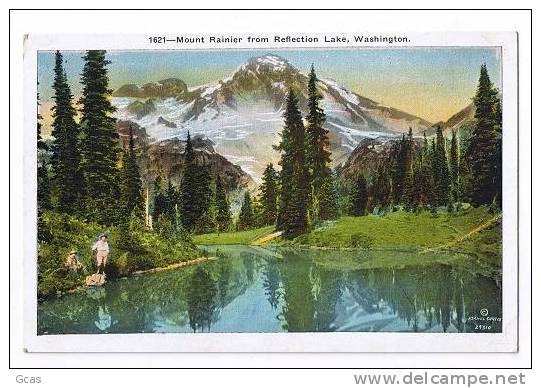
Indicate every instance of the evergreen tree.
{"type": "Point", "coordinates": [359, 197]}
{"type": "Point", "coordinates": [269, 195]}
{"type": "Point", "coordinates": [65, 158]}
{"type": "Point", "coordinates": [160, 200]}
{"type": "Point", "coordinates": [423, 183]}
{"type": "Point", "coordinates": [207, 222]}
{"type": "Point", "coordinates": [398, 168]}
{"type": "Point", "coordinates": [293, 204]}
{"type": "Point", "coordinates": [206, 197]}
{"type": "Point", "coordinates": [407, 167]}
{"type": "Point", "coordinates": [318, 155]}
{"type": "Point", "coordinates": [441, 170]}
{"type": "Point", "coordinates": [454, 167]}
{"type": "Point", "coordinates": [484, 151]}
{"type": "Point", "coordinates": [171, 201]}
{"type": "Point", "coordinates": [43, 184]}
{"type": "Point", "coordinates": [329, 207]}
{"type": "Point", "coordinates": [195, 189]}
{"type": "Point", "coordinates": [246, 216]}
{"type": "Point", "coordinates": [223, 216]}
{"type": "Point", "coordinates": [382, 187]}
{"type": "Point", "coordinates": [99, 143]}
{"type": "Point", "coordinates": [189, 187]}
{"type": "Point", "coordinates": [131, 188]}
{"type": "Point", "coordinates": [498, 157]}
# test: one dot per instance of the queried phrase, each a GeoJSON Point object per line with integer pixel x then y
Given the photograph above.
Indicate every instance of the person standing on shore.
{"type": "Point", "coordinates": [101, 249]}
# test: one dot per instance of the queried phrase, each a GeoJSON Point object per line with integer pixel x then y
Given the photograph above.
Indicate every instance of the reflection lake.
{"type": "Point", "coordinates": [253, 289]}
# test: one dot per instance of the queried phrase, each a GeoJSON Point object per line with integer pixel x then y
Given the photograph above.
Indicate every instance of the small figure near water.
{"type": "Point", "coordinates": [101, 249]}
{"type": "Point", "coordinates": [72, 264]}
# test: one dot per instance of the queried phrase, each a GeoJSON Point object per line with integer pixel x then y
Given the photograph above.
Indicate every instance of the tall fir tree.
{"type": "Point", "coordinates": [382, 186]}
{"type": "Point", "coordinates": [294, 177]}
{"type": "Point", "coordinates": [99, 142]}
{"type": "Point", "coordinates": [498, 157]}
{"type": "Point", "coordinates": [329, 207]}
{"type": "Point", "coordinates": [397, 163]}
{"type": "Point", "coordinates": [132, 187]}
{"type": "Point", "coordinates": [359, 197]}
{"type": "Point", "coordinates": [246, 215]}
{"type": "Point", "coordinates": [454, 158]}
{"type": "Point", "coordinates": [160, 200]}
{"type": "Point", "coordinates": [189, 187]}
{"type": "Point", "coordinates": [171, 201]}
{"type": "Point", "coordinates": [65, 160]}
{"type": "Point", "coordinates": [318, 155]}
{"type": "Point", "coordinates": [195, 189]}
{"type": "Point", "coordinates": [441, 170]}
{"type": "Point", "coordinates": [43, 183]}
{"type": "Point", "coordinates": [269, 195]}
{"type": "Point", "coordinates": [223, 216]}
{"type": "Point", "coordinates": [484, 151]}
{"type": "Point", "coordinates": [423, 182]}
{"type": "Point", "coordinates": [407, 168]}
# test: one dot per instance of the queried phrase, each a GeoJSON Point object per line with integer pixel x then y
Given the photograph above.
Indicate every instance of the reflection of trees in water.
{"type": "Point", "coordinates": [475, 299]}
{"type": "Point", "coordinates": [271, 281]}
{"type": "Point", "coordinates": [224, 278]}
{"type": "Point", "coordinates": [298, 310]}
{"type": "Point", "coordinates": [201, 302]}
{"type": "Point", "coordinates": [440, 294]}
{"type": "Point", "coordinates": [248, 261]}
{"type": "Point", "coordinates": [305, 294]}
{"type": "Point", "coordinates": [328, 292]}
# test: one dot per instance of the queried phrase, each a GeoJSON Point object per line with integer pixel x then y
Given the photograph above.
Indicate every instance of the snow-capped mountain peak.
{"type": "Point", "coordinates": [242, 113]}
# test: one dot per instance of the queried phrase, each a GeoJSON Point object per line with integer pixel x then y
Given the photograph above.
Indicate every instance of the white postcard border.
{"type": "Point", "coordinates": [279, 342]}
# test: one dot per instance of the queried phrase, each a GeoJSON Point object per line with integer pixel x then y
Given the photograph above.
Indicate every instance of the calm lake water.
{"type": "Point", "coordinates": [253, 289]}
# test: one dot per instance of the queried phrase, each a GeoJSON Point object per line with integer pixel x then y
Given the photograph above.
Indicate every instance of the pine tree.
{"type": "Point", "coordinates": [131, 188]}
{"type": "Point", "coordinates": [65, 160]}
{"type": "Point", "coordinates": [195, 189]}
{"type": "Point", "coordinates": [269, 195]}
{"type": "Point", "coordinates": [407, 168]}
{"type": "Point", "coordinates": [171, 201]}
{"type": "Point", "coordinates": [223, 216]}
{"type": "Point", "coordinates": [382, 186]}
{"type": "Point", "coordinates": [398, 168]}
{"type": "Point", "coordinates": [204, 201]}
{"type": "Point", "coordinates": [454, 166]}
{"type": "Point", "coordinates": [359, 197]}
{"type": "Point", "coordinates": [423, 182]}
{"type": "Point", "coordinates": [318, 155]}
{"type": "Point", "coordinates": [207, 222]}
{"type": "Point", "coordinates": [293, 204]}
{"type": "Point", "coordinates": [43, 184]}
{"type": "Point", "coordinates": [160, 200]}
{"type": "Point", "coordinates": [484, 151]}
{"type": "Point", "coordinates": [329, 207]}
{"type": "Point", "coordinates": [99, 143]}
{"type": "Point", "coordinates": [189, 187]}
{"type": "Point", "coordinates": [246, 216]}
{"type": "Point", "coordinates": [441, 170]}
{"type": "Point", "coordinates": [498, 155]}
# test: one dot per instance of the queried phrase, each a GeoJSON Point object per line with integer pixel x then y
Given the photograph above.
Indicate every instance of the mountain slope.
{"type": "Point", "coordinates": [166, 158]}
{"type": "Point", "coordinates": [242, 114]}
{"type": "Point", "coordinates": [371, 153]}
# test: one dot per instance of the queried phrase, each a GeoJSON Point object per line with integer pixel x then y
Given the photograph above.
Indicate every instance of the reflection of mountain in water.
{"type": "Point", "coordinates": [261, 290]}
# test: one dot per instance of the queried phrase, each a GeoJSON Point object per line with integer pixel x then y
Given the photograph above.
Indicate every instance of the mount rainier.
{"type": "Point", "coordinates": [242, 114]}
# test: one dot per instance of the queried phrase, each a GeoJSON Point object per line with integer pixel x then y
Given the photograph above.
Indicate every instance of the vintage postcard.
{"type": "Point", "coordinates": [294, 192]}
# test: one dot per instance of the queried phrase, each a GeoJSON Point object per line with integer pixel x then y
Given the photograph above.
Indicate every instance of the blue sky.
{"type": "Point", "coordinates": [433, 83]}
